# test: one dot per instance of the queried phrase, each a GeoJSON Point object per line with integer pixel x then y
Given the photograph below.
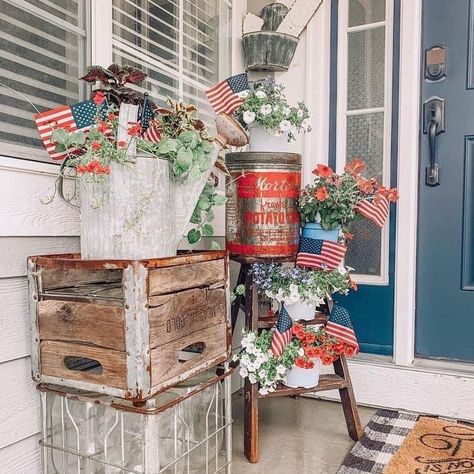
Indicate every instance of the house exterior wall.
{"type": "Point", "coordinates": [28, 227]}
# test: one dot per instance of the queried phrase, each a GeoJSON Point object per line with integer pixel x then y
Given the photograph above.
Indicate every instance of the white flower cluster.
{"type": "Point", "coordinates": [295, 296]}
{"type": "Point", "coordinates": [252, 362]}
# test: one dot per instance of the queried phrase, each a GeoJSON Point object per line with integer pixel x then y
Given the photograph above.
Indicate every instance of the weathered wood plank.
{"type": "Point", "coordinates": [19, 399]}
{"type": "Point", "coordinates": [183, 277]}
{"type": "Point", "coordinates": [25, 214]}
{"type": "Point", "coordinates": [184, 313]}
{"type": "Point", "coordinates": [22, 457]}
{"type": "Point", "coordinates": [15, 250]}
{"type": "Point", "coordinates": [60, 278]}
{"type": "Point", "coordinates": [298, 17]}
{"type": "Point", "coordinates": [165, 359]}
{"type": "Point", "coordinates": [113, 363]}
{"type": "Point", "coordinates": [102, 325]}
{"type": "Point", "coordinates": [14, 319]}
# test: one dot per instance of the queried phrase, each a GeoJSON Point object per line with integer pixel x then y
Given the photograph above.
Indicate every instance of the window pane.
{"type": "Point", "coordinates": [40, 60]}
{"type": "Point", "coordinates": [147, 34]}
{"type": "Point", "coordinates": [362, 12]}
{"type": "Point", "coordinates": [364, 251]}
{"type": "Point", "coordinates": [365, 140]}
{"type": "Point", "coordinates": [366, 69]}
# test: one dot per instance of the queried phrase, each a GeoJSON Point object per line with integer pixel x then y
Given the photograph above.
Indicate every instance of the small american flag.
{"type": "Point", "coordinates": [153, 132]}
{"type": "Point", "coordinates": [282, 332]}
{"type": "Point", "coordinates": [79, 116]}
{"type": "Point", "coordinates": [375, 212]}
{"type": "Point", "coordinates": [339, 325]}
{"type": "Point", "coordinates": [224, 97]}
{"type": "Point", "coordinates": [147, 114]}
{"type": "Point", "coordinates": [315, 253]}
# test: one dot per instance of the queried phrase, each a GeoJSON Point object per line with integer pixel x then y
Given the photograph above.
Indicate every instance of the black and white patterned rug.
{"type": "Point", "coordinates": [383, 435]}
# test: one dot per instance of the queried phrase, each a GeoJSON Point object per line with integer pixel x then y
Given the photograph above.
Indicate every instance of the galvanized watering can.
{"type": "Point", "coordinates": [142, 211]}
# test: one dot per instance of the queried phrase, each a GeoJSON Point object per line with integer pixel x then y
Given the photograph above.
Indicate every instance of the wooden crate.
{"type": "Point", "coordinates": [128, 328]}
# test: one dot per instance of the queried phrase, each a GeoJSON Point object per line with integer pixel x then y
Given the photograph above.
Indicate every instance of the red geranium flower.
{"type": "Point", "coordinates": [364, 185]}
{"type": "Point", "coordinates": [393, 195]}
{"type": "Point", "coordinates": [327, 359]}
{"type": "Point", "coordinates": [111, 116]}
{"type": "Point", "coordinates": [99, 98]}
{"type": "Point", "coordinates": [321, 194]}
{"type": "Point", "coordinates": [134, 129]}
{"type": "Point", "coordinates": [323, 171]}
{"type": "Point", "coordinates": [121, 143]}
{"type": "Point", "coordinates": [300, 362]}
{"type": "Point", "coordinates": [356, 166]}
{"type": "Point", "coordinates": [309, 364]}
{"type": "Point", "coordinates": [298, 330]}
{"type": "Point", "coordinates": [95, 146]}
{"type": "Point", "coordinates": [349, 351]}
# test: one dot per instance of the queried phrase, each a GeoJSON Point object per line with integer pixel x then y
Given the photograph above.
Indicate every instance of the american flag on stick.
{"type": "Point", "coordinates": [282, 332]}
{"type": "Point", "coordinates": [80, 116]}
{"type": "Point", "coordinates": [153, 132]}
{"type": "Point", "coordinates": [375, 212]}
{"type": "Point", "coordinates": [339, 325]}
{"type": "Point", "coordinates": [315, 253]}
{"type": "Point", "coordinates": [224, 97]}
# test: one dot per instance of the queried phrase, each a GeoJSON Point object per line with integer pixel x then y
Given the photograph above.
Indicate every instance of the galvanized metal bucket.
{"type": "Point", "coordinates": [140, 212]}
{"type": "Point", "coordinates": [268, 50]}
{"type": "Point", "coordinates": [261, 215]}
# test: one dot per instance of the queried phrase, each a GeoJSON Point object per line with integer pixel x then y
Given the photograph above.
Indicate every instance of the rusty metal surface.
{"type": "Point", "coordinates": [149, 407]}
{"type": "Point", "coordinates": [261, 216]}
{"type": "Point", "coordinates": [73, 261]}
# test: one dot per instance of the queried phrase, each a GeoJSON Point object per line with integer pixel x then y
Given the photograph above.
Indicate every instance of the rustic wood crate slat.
{"type": "Point", "coordinates": [132, 319]}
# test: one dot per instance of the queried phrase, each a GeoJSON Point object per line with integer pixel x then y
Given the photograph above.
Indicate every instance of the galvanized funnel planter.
{"type": "Point", "coordinates": [268, 50]}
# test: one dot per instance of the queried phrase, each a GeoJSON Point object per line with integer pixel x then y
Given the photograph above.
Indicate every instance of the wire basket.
{"type": "Point", "coordinates": [186, 429]}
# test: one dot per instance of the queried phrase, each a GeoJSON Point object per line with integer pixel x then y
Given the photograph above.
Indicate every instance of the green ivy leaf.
{"type": "Point", "coordinates": [219, 200]}
{"type": "Point", "coordinates": [215, 245]}
{"type": "Point", "coordinates": [189, 138]}
{"type": "Point", "coordinates": [208, 230]}
{"type": "Point", "coordinates": [184, 158]}
{"type": "Point", "coordinates": [195, 174]}
{"type": "Point", "coordinates": [167, 146]}
{"type": "Point", "coordinates": [194, 235]}
{"type": "Point", "coordinates": [60, 136]}
{"type": "Point", "coordinates": [60, 148]}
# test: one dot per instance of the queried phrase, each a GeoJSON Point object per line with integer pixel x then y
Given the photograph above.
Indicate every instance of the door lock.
{"type": "Point", "coordinates": [433, 125]}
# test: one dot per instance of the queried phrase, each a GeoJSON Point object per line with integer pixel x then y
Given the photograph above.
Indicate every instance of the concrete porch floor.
{"type": "Point", "coordinates": [303, 436]}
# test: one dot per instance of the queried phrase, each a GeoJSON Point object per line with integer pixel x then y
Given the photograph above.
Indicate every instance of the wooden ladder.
{"type": "Point", "coordinates": [340, 380]}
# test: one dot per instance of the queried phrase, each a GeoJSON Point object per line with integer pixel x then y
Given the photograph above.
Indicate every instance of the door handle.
{"type": "Point", "coordinates": [433, 112]}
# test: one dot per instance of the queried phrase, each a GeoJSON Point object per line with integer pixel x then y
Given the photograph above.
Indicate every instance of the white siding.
{"type": "Point", "coordinates": [27, 227]}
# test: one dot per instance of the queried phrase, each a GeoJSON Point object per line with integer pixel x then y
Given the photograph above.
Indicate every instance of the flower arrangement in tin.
{"type": "Point", "coordinates": [267, 107]}
{"type": "Point", "coordinates": [258, 363]}
{"type": "Point", "coordinates": [332, 200]}
{"type": "Point", "coordinates": [290, 285]}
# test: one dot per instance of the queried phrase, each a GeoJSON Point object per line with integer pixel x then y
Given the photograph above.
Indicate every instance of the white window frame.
{"type": "Point", "coordinates": [16, 150]}
{"type": "Point", "coordinates": [343, 113]}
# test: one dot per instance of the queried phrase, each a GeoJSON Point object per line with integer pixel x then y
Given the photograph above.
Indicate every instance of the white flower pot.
{"type": "Point", "coordinates": [301, 311]}
{"type": "Point", "coordinates": [306, 378]}
{"type": "Point", "coordinates": [262, 140]}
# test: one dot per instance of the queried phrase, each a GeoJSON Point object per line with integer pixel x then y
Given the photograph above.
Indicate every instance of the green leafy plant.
{"type": "Point", "coordinates": [266, 106]}
{"type": "Point", "coordinates": [203, 213]}
{"type": "Point", "coordinates": [332, 199]}
{"type": "Point", "coordinates": [294, 284]}
{"type": "Point", "coordinates": [259, 365]}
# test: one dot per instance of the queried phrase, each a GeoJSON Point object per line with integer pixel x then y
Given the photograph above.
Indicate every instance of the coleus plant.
{"type": "Point", "coordinates": [113, 82]}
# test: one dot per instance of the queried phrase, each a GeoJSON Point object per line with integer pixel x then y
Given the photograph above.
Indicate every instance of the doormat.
{"type": "Point", "coordinates": [402, 443]}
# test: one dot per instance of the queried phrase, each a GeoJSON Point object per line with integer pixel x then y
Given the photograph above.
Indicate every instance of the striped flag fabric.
{"type": "Point", "coordinates": [80, 116]}
{"type": "Point", "coordinates": [315, 253]}
{"type": "Point", "coordinates": [339, 325]}
{"type": "Point", "coordinates": [153, 132]}
{"type": "Point", "coordinates": [224, 97]}
{"type": "Point", "coordinates": [375, 212]}
{"type": "Point", "coordinates": [282, 332]}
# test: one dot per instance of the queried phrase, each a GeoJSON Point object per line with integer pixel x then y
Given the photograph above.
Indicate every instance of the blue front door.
{"type": "Point", "coordinates": [445, 268]}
